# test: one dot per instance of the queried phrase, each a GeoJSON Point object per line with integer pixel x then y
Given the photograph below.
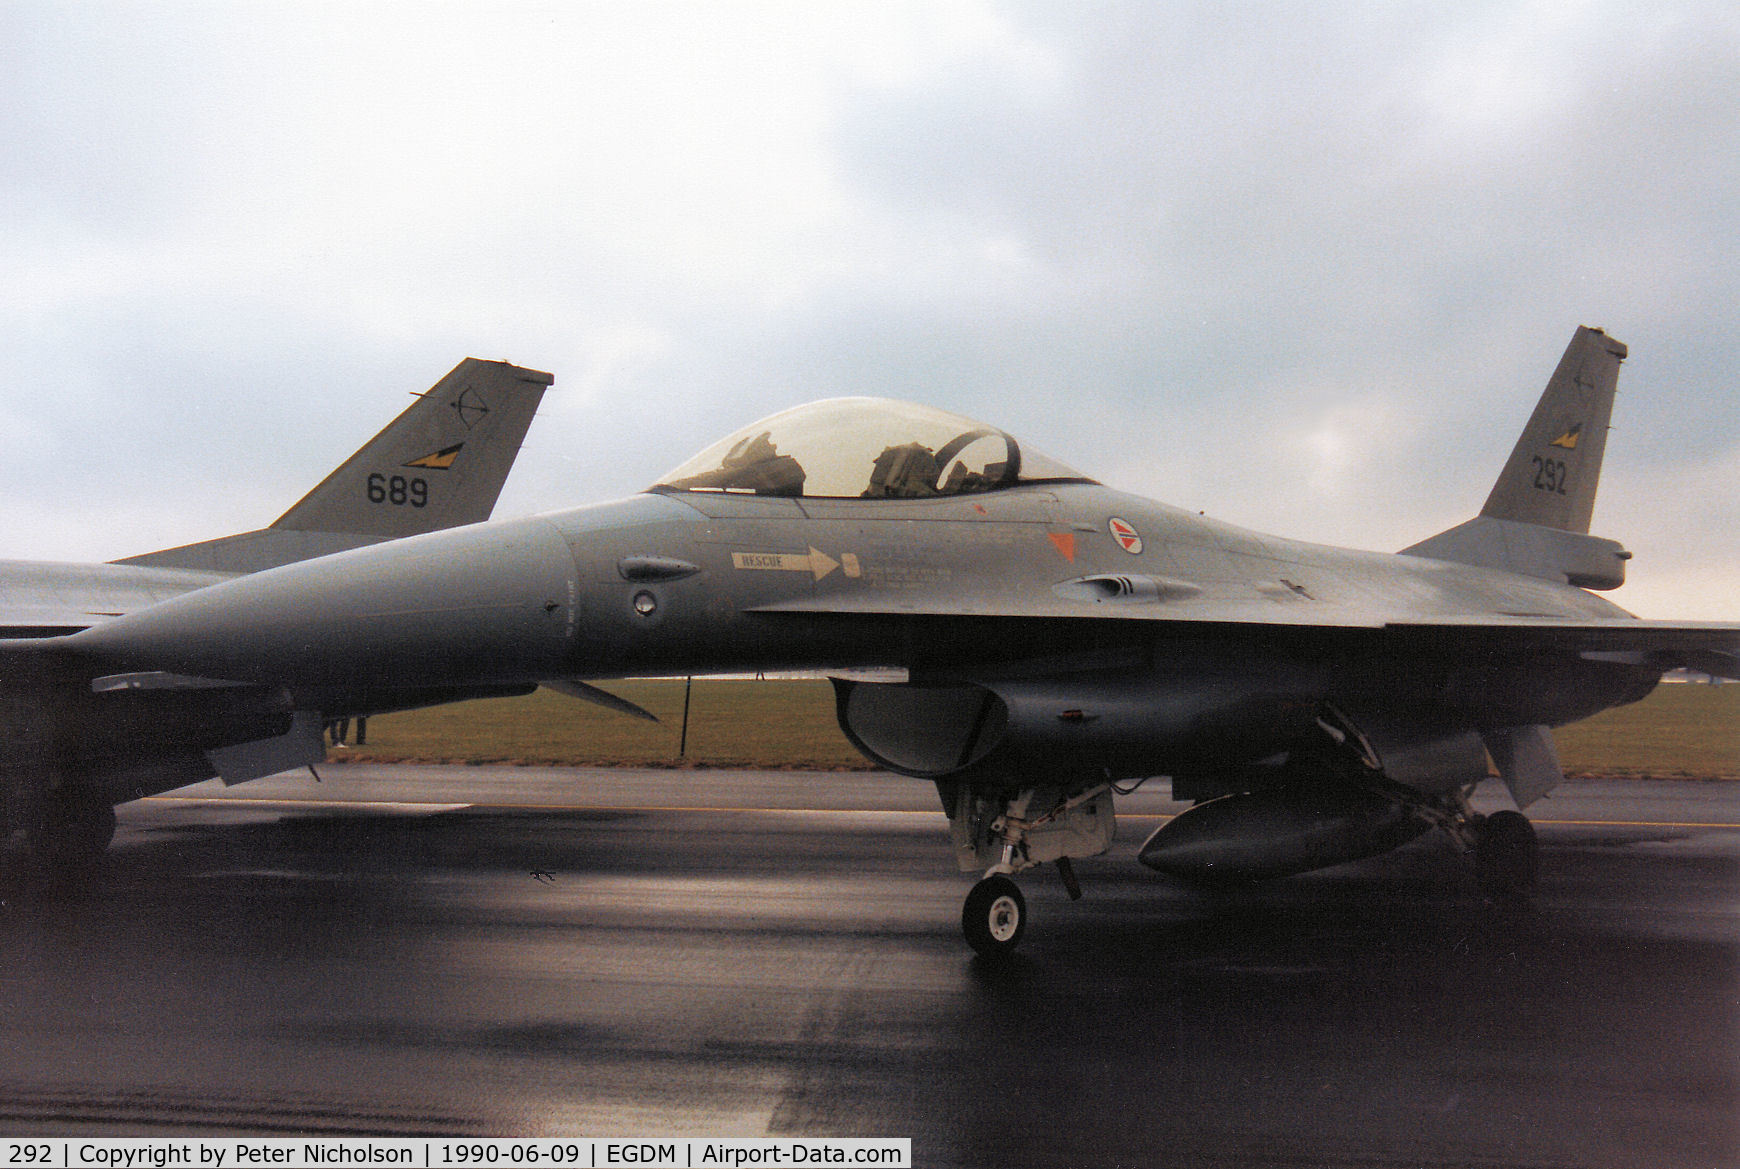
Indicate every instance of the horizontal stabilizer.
{"type": "Point", "coordinates": [1589, 562]}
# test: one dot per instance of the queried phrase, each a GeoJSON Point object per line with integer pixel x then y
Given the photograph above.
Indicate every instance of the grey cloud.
{"type": "Point", "coordinates": [1302, 265]}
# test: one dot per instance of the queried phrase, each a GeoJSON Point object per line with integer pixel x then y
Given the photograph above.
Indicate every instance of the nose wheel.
{"type": "Point", "coordinates": [994, 916]}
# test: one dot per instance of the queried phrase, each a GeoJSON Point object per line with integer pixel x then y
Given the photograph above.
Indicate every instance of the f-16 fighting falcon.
{"type": "Point", "coordinates": [1053, 641]}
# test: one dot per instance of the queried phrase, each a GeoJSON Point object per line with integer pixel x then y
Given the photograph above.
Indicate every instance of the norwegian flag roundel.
{"type": "Point", "coordinates": [1126, 535]}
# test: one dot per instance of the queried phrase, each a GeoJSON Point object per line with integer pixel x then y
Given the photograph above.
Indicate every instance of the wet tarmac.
{"type": "Point", "coordinates": [514, 952]}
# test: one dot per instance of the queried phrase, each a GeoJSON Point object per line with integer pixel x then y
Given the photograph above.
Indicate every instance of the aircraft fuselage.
{"type": "Point", "coordinates": [1009, 590]}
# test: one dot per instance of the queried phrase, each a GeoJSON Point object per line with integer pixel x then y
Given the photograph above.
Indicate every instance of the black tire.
{"type": "Point", "coordinates": [994, 917]}
{"type": "Point", "coordinates": [1507, 858]}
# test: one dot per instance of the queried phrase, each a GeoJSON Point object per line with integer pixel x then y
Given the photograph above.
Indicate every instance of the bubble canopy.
{"type": "Point", "coordinates": [865, 448]}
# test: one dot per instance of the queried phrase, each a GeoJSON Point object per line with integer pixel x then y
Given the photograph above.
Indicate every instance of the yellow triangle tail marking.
{"type": "Point", "coordinates": [440, 460]}
{"type": "Point", "coordinates": [1568, 440]}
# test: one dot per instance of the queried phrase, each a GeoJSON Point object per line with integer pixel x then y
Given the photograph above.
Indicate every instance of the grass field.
{"type": "Point", "coordinates": [732, 723]}
{"type": "Point", "coordinates": [1680, 730]}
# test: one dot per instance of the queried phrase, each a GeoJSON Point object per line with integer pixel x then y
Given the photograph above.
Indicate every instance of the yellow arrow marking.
{"type": "Point", "coordinates": [815, 561]}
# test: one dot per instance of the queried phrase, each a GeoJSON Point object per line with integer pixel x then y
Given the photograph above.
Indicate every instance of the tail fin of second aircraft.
{"type": "Point", "coordinates": [439, 464]}
{"type": "Point", "coordinates": [1536, 520]}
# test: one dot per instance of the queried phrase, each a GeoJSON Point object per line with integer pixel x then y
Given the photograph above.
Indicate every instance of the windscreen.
{"type": "Point", "coordinates": [865, 448]}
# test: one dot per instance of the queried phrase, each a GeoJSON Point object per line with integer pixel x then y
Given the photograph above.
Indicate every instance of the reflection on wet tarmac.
{"type": "Point", "coordinates": [614, 971]}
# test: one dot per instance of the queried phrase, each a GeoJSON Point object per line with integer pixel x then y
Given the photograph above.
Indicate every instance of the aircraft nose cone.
{"type": "Point", "coordinates": [486, 603]}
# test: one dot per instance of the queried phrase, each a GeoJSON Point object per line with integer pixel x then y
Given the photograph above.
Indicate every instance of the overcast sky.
{"type": "Point", "coordinates": [1303, 266]}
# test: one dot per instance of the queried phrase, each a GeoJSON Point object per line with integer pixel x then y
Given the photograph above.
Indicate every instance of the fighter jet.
{"type": "Point", "coordinates": [1053, 640]}
{"type": "Point", "coordinates": [73, 742]}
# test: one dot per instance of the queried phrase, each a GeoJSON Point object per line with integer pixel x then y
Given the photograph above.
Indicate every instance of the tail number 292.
{"type": "Point", "coordinates": [398, 490]}
{"type": "Point", "coordinates": [1549, 475]}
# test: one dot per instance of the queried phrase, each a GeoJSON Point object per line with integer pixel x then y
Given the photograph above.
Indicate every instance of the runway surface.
{"type": "Point", "coordinates": [517, 951]}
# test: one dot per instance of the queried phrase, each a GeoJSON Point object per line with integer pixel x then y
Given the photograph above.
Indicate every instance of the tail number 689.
{"type": "Point", "coordinates": [398, 490]}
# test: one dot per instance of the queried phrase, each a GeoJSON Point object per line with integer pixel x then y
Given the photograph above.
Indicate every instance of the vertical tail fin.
{"type": "Point", "coordinates": [1553, 471]}
{"type": "Point", "coordinates": [1536, 520]}
{"type": "Point", "coordinates": [439, 464]}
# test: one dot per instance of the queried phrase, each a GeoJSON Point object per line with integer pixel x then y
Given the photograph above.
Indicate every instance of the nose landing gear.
{"type": "Point", "coordinates": [1011, 832]}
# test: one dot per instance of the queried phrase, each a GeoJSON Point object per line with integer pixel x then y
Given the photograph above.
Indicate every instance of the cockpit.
{"type": "Point", "coordinates": [865, 448]}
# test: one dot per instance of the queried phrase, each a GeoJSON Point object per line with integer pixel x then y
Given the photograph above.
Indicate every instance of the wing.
{"type": "Point", "coordinates": [47, 600]}
{"type": "Point", "coordinates": [1711, 647]}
